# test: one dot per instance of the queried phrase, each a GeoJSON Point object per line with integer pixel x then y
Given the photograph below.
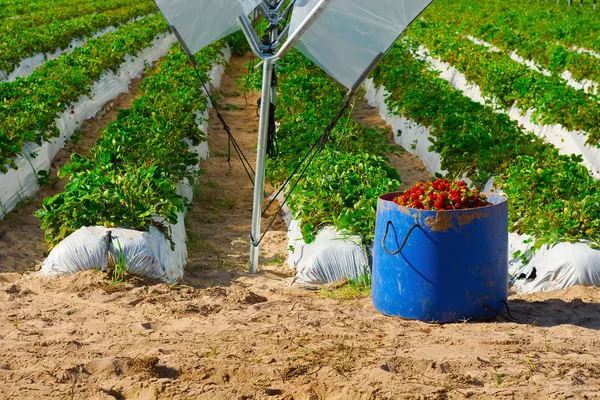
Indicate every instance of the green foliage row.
{"type": "Point", "coordinates": [130, 176]}
{"type": "Point", "coordinates": [29, 106]}
{"type": "Point", "coordinates": [509, 82]}
{"type": "Point", "coordinates": [494, 22]}
{"type": "Point", "coordinates": [342, 183]}
{"type": "Point", "coordinates": [56, 12]}
{"type": "Point", "coordinates": [571, 26]}
{"type": "Point", "coordinates": [17, 8]}
{"type": "Point", "coordinates": [57, 25]}
{"type": "Point", "coordinates": [552, 196]}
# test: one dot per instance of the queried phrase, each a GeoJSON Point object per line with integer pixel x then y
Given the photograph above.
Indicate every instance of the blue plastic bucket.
{"type": "Point", "coordinates": [440, 266]}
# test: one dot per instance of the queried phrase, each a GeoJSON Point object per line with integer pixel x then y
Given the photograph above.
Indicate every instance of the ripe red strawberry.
{"type": "Point", "coordinates": [441, 194]}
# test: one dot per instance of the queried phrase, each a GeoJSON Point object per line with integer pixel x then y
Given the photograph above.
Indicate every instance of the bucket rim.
{"type": "Point", "coordinates": [501, 199]}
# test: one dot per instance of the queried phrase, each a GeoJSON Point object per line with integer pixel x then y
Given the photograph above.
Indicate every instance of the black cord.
{"type": "Point", "coordinates": [499, 314]}
{"type": "Point", "coordinates": [231, 139]}
{"type": "Point", "coordinates": [315, 149]}
{"type": "Point", "coordinates": [272, 146]}
{"type": "Point", "coordinates": [387, 227]}
{"type": "Point", "coordinates": [508, 311]}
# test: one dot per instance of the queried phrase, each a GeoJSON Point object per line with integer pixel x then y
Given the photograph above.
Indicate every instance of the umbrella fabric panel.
{"type": "Point", "coordinates": [202, 22]}
{"type": "Point", "coordinates": [350, 35]}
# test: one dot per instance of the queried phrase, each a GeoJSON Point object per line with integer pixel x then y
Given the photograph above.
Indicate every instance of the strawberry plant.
{"type": "Point", "coordinates": [342, 184]}
{"type": "Point", "coordinates": [341, 189]}
{"type": "Point", "coordinates": [552, 196]}
{"type": "Point", "coordinates": [513, 28]}
{"type": "Point", "coordinates": [130, 176]}
{"type": "Point", "coordinates": [55, 27]}
{"type": "Point", "coordinates": [509, 82]}
{"type": "Point", "coordinates": [441, 194]}
{"type": "Point", "coordinates": [127, 197]}
{"type": "Point", "coordinates": [17, 8]}
{"type": "Point", "coordinates": [29, 106]}
{"type": "Point", "coordinates": [58, 11]}
{"type": "Point", "coordinates": [551, 23]}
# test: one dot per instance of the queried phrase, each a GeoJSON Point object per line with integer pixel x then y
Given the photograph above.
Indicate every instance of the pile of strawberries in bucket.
{"type": "Point", "coordinates": [441, 194]}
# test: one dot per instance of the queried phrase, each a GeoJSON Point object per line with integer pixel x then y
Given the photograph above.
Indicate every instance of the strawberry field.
{"type": "Point", "coordinates": [492, 91]}
{"type": "Point", "coordinates": [116, 150]}
{"type": "Point", "coordinates": [507, 99]}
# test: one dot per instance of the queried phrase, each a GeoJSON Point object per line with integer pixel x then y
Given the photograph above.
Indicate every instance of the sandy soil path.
{"type": "Point", "coordinates": [225, 335]}
{"type": "Point", "coordinates": [82, 337]}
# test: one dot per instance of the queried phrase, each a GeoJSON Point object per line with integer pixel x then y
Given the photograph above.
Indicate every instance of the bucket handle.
{"type": "Point", "coordinates": [387, 228]}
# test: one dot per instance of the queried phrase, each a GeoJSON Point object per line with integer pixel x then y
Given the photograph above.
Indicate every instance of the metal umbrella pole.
{"type": "Point", "coordinates": [261, 154]}
{"type": "Point", "coordinates": [265, 53]}
{"type": "Point", "coordinates": [271, 11]}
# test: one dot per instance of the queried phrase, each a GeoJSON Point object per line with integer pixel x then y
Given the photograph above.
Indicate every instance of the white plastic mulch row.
{"type": "Point", "coordinates": [586, 85]}
{"type": "Point", "coordinates": [558, 267]}
{"type": "Point", "coordinates": [331, 257]}
{"type": "Point", "coordinates": [19, 184]}
{"type": "Point", "coordinates": [29, 64]}
{"type": "Point", "coordinates": [581, 50]}
{"type": "Point", "coordinates": [567, 142]}
{"type": "Point", "coordinates": [146, 254]}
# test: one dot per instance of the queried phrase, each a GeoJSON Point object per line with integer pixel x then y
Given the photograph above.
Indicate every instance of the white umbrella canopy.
{"type": "Point", "coordinates": [350, 36]}
{"type": "Point", "coordinates": [202, 22]}
{"type": "Point", "coordinates": [346, 38]}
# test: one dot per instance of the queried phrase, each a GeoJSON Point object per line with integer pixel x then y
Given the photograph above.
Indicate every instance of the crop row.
{"type": "Point", "coordinates": [30, 105]}
{"type": "Point", "coordinates": [56, 12]}
{"type": "Point", "coordinates": [18, 44]}
{"type": "Point", "coordinates": [131, 175]}
{"type": "Point", "coordinates": [509, 82]}
{"type": "Point", "coordinates": [571, 26]}
{"type": "Point", "coordinates": [488, 22]}
{"type": "Point", "coordinates": [552, 196]}
{"type": "Point", "coordinates": [16, 8]}
{"type": "Point", "coordinates": [342, 183]}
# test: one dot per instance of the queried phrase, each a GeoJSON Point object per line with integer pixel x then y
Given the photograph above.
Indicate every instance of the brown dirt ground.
{"type": "Point", "coordinates": [82, 337]}
{"type": "Point", "coordinates": [223, 334]}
